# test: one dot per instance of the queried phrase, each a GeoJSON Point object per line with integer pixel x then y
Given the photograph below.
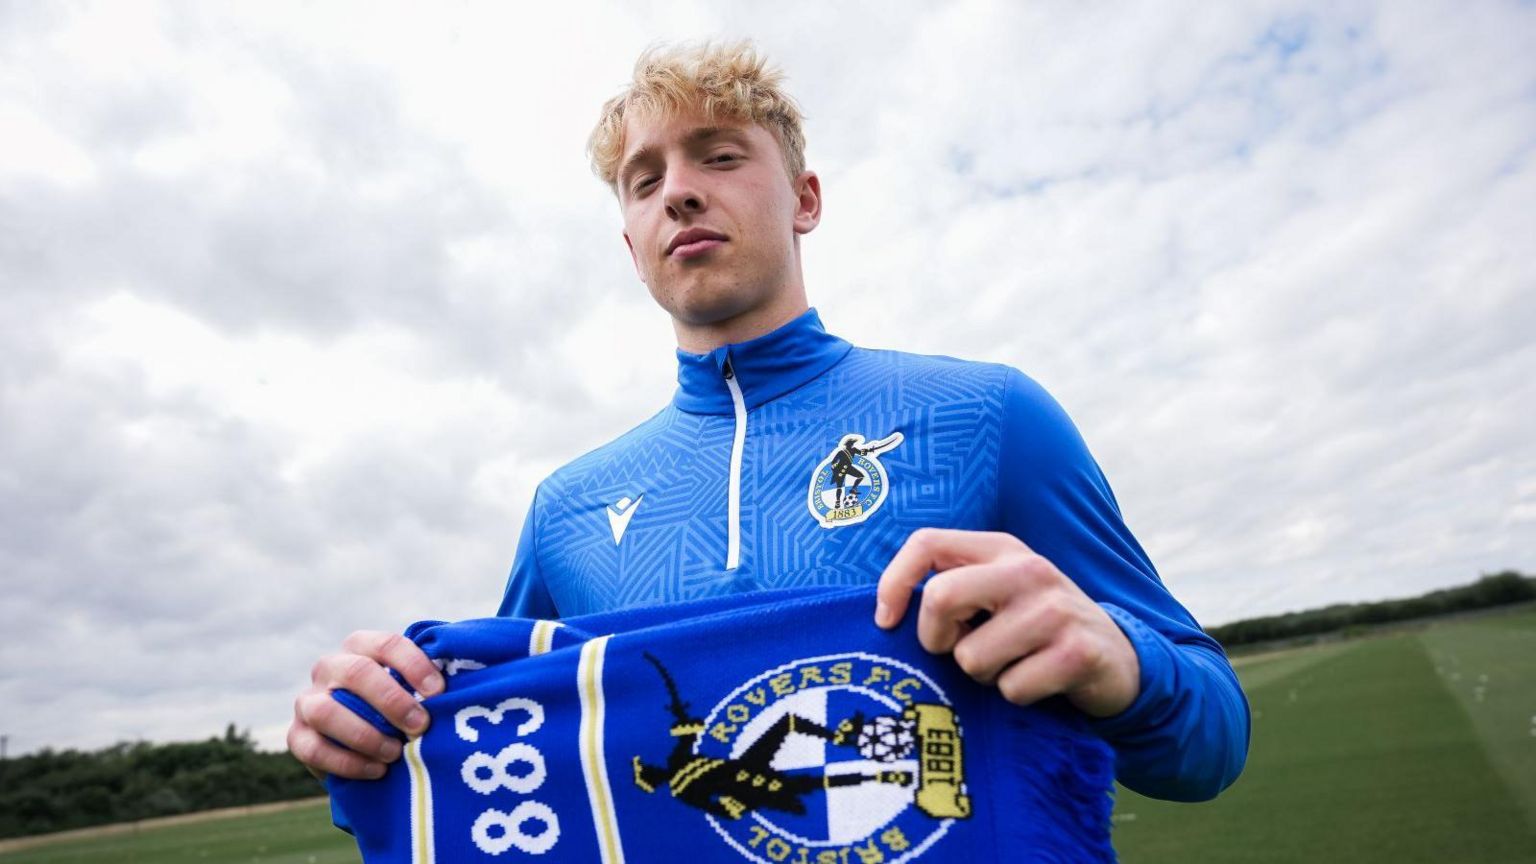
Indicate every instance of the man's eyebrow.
{"type": "Point", "coordinates": [694, 137]}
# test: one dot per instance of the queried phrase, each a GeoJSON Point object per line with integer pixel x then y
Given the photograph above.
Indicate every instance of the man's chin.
{"type": "Point", "coordinates": [704, 306]}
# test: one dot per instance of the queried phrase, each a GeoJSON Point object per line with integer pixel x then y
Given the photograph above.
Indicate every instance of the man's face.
{"type": "Point", "coordinates": [711, 215]}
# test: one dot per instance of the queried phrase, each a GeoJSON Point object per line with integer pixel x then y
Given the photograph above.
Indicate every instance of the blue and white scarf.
{"type": "Point", "coordinates": [780, 727]}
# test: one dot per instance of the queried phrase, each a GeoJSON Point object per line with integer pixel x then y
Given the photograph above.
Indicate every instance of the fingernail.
{"type": "Point", "coordinates": [433, 685]}
{"type": "Point", "coordinates": [416, 720]}
{"type": "Point", "coordinates": [882, 614]}
{"type": "Point", "coordinates": [374, 770]}
{"type": "Point", "coordinates": [389, 751]}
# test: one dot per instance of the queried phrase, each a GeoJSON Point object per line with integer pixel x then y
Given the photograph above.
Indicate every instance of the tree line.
{"type": "Point", "coordinates": [1497, 589]}
{"type": "Point", "coordinates": [59, 790]}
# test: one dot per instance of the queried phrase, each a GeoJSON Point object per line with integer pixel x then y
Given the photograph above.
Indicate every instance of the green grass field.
{"type": "Point", "coordinates": [300, 836]}
{"type": "Point", "coordinates": [1416, 746]}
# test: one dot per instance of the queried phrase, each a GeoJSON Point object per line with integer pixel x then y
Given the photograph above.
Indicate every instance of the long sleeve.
{"type": "Point", "coordinates": [1185, 737]}
{"type": "Point", "coordinates": [527, 595]}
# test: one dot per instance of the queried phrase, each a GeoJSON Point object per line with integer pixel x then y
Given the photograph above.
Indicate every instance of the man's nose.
{"type": "Point", "coordinates": [683, 193]}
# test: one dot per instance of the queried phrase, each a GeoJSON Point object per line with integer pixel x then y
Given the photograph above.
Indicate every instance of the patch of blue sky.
{"type": "Point", "coordinates": [1351, 72]}
{"type": "Point", "coordinates": [1014, 187]}
{"type": "Point", "coordinates": [1287, 36]}
{"type": "Point", "coordinates": [1297, 75]}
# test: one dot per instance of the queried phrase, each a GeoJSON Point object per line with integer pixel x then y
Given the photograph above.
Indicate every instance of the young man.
{"type": "Point", "coordinates": [967, 471]}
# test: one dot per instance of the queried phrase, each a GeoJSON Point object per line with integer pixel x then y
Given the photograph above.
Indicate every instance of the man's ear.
{"type": "Point", "coordinates": [807, 202]}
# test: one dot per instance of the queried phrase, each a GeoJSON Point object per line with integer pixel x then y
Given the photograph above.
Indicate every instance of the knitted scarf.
{"type": "Point", "coordinates": [780, 727]}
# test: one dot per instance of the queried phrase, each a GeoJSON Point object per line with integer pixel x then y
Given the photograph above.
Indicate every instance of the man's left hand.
{"type": "Point", "coordinates": [1044, 635]}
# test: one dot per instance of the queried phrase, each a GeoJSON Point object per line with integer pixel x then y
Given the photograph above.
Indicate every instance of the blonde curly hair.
{"type": "Point", "coordinates": [725, 82]}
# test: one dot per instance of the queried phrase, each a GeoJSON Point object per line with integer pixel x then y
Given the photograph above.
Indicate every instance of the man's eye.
{"type": "Point", "coordinates": [723, 157]}
{"type": "Point", "coordinates": [644, 183]}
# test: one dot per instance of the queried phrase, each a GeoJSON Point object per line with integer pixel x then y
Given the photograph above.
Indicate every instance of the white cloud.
{"type": "Point", "coordinates": [34, 149]}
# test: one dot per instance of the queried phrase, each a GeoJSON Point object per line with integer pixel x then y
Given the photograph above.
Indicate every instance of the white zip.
{"type": "Point", "coordinates": [733, 496]}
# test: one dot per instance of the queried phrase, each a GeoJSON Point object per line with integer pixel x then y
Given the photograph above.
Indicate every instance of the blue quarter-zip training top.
{"type": "Point", "coordinates": [796, 459]}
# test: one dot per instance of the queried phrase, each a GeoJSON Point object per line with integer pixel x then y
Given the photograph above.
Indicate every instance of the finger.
{"type": "Point", "coordinates": [1041, 674]}
{"type": "Point", "coordinates": [400, 654]}
{"type": "Point", "coordinates": [952, 598]}
{"type": "Point", "coordinates": [987, 650]}
{"type": "Point", "coordinates": [1030, 618]}
{"type": "Point", "coordinates": [927, 550]}
{"type": "Point", "coordinates": [369, 681]}
{"type": "Point", "coordinates": [1098, 667]}
{"type": "Point", "coordinates": [320, 711]}
{"type": "Point", "coordinates": [318, 754]}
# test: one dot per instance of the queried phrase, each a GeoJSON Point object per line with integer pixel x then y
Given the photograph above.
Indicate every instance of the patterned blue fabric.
{"type": "Point", "coordinates": [646, 519]}
{"type": "Point", "coordinates": [769, 727]}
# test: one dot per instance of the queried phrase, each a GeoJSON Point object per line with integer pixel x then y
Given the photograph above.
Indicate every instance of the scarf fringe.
{"type": "Point", "coordinates": [1067, 777]}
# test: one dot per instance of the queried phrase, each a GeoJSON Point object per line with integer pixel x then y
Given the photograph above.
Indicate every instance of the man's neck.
{"type": "Point", "coordinates": [704, 338]}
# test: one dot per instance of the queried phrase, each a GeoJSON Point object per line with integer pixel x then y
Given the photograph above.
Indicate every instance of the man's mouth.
{"type": "Point", "coordinates": [693, 242]}
{"type": "Point", "coordinates": [696, 248]}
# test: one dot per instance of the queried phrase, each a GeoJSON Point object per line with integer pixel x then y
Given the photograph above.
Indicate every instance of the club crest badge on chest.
{"type": "Point", "coordinates": [851, 484]}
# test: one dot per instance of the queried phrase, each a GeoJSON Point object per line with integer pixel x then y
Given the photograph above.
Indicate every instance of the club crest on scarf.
{"type": "Point", "coordinates": [844, 758]}
{"type": "Point", "coordinates": [851, 484]}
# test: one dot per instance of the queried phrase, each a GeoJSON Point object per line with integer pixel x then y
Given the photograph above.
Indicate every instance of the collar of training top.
{"type": "Point", "coordinates": [765, 368]}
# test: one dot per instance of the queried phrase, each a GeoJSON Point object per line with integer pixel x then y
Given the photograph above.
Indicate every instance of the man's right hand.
{"type": "Point", "coordinates": [362, 668]}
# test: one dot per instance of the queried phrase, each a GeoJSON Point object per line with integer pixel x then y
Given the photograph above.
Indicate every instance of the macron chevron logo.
{"type": "Point", "coordinates": [619, 515]}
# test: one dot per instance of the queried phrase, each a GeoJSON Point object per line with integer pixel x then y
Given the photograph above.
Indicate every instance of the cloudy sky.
{"type": "Point", "coordinates": [300, 301]}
